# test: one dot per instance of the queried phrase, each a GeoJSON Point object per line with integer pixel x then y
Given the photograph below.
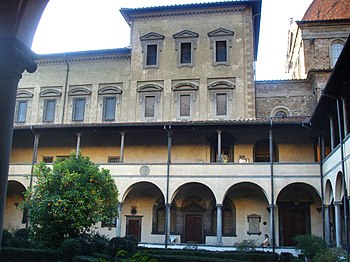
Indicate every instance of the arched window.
{"type": "Point", "coordinates": [228, 218]}
{"type": "Point", "coordinates": [281, 114]}
{"type": "Point", "coordinates": [262, 151]}
{"type": "Point", "coordinates": [336, 48]}
{"type": "Point", "coordinates": [160, 219]}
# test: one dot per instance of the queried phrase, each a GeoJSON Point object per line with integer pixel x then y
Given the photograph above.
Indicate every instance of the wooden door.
{"type": "Point", "coordinates": [292, 223]}
{"type": "Point", "coordinates": [134, 228]}
{"type": "Point", "coordinates": [193, 228]}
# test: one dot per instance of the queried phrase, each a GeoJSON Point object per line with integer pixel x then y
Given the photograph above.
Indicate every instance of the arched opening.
{"type": "Point", "coordinates": [261, 151]}
{"type": "Point", "coordinates": [298, 204]}
{"type": "Point", "coordinates": [194, 212]}
{"type": "Point", "coordinates": [14, 216]}
{"type": "Point", "coordinates": [143, 210]}
{"type": "Point", "coordinates": [246, 204]}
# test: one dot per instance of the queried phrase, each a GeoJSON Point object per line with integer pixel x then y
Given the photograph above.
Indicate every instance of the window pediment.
{"type": "Point", "coordinates": [186, 34]}
{"type": "Point", "coordinates": [185, 86]}
{"type": "Point", "coordinates": [110, 90]}
{"type": "Point", "coordinates": [24, 94]}
{"type": "Point", "coordinates": [222, 84]}
{"type": "Point", "coordinates": [152, 36]}
{"type": "Point", "coordinates": [50, 93]}
{"type": "Point", "coordinates": [220, 32]}
{"type": "Point", "coordinates": [150, 88]}
{"type": "Point", "coordinates": [78, 91]}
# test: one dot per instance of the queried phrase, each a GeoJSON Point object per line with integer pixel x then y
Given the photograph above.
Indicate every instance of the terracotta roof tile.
{"type": "Point", "coordinates": [327, 10]}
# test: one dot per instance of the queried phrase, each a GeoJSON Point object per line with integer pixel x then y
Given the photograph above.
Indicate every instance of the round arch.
{"type": "Point", "coordinates": [143, 187]}
{"type": "Point", "coordinates": [14, 217]}
{"type": "Point", "coordinates": [338, 187]}
{"type": "Point", "coordinates": [191, 188]}
{"type": "Point", "coordinates": [328, 193]}
{"type": "Point", "coordinates": [248, 187]}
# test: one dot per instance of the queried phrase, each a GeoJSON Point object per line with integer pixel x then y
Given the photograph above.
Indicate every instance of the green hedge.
{"type": "Point", "coordinates": [28, 255]}
{"type": "Point", "coordinates": [201, 255]}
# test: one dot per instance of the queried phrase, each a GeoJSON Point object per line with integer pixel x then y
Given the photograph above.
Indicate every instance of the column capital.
{"type": "Point", "coordinates": [337, 203]}
{"type": "Point", "coordinates": [122, 133]}
{"type": "Point", "coordinates": [219, 131]}
{"type": "Point", "coordinates": [326, 206]}
{"type": "Point", "coordinates": [15, 57]}
{"type": "Point", "coordinates": [219, 205]}
{"type": "Point", "coordinates": [79, 133]}
{"type": "Point", "coordinates": [167, 204]}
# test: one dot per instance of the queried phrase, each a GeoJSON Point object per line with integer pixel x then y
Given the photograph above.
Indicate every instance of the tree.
{"type": "Point", "coordinates": [68, 199]}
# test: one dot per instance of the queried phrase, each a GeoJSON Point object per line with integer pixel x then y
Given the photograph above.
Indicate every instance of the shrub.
{"type": "Point", "coordinates": [310, 245]}
{"type": "Point", "coordinates": [116, 244]}
{"type": "Point", "coordinates": [330, 255]}
{"type": "Point", "coordinates": [22, 233]}
{"type": "Point", "coordinates": [247, 245]}
{"type": "Point", "coordinates": [70, 247]}
{"type": "Point", "coordinates": [6, 237]}
{"type": "Point", "coordinates": [28, 255]}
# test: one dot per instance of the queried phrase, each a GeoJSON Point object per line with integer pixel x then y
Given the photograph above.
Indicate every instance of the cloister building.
{"type": "Point", "coordinates": [201, 152]}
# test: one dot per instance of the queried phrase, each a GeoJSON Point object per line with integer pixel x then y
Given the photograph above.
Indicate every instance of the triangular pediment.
{"type": "Point", "coordinates": [152, 36]}
{"type": "Point", "coordinates": [186, 34]}
{"type": "Point", "coordinates": [221, 32]}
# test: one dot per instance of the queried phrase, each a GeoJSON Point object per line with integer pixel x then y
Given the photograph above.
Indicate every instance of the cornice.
{"type": "Point", "coordinates": [84, 56]}
{"type": "Point", "coordinates": [163, 14]}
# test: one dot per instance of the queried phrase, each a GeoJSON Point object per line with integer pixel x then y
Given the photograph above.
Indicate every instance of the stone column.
{"type": "Point", "coordinates": [345, 117]}
{"type": "Point", "coordinates": [122, 138]}
{"type": "Point", "coordinates": [332, 134]}
{"type": "Point", "coordinates": [15, 57]}
{"type": "Point", "coordinates": [327, 224]}
{"type": "Point", "coordinates": [272, 224]}
{"type": "Point", "coordinates": [219, 146]}
{"type": "Point", "coordinates": [167, 221]}
{"type": "Point", "coordinates": [118, 221]}
{"type": "Point", "coordinates": [338, 235]}
{"type": "Point", "coordinates": [77, 150]}
{"type": "Point", "coordinates": [219, 224]}
{"type": "Point", "coordinates": [35, 157]}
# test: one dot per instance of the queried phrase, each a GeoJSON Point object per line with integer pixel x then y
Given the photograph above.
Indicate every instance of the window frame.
{"type": "Point", "coordinates": [335, 53]}
{"type": "Point", "coordinates": [45, 111]}
{"type": "Point", "coordinates": [221, 35]}
{"type": "Point", "coordinates": [104, 109]}
{"type": "Point", "coordinates": [18, 113]}
{"type": "Point", "coordinates": [151, 39]}
{"type": "Point", "coordinates": [49, 94]}
{"type": "Point", "coordinates": [219, 87]}
{"type": "Point", "coordinates": [185, 37]}
{"type": "Point", "coordinates": [185, 88]}
{"type": "Point", "coordinates": [74, 105]}
{"type": "Point", "coordinates": [150, 90]}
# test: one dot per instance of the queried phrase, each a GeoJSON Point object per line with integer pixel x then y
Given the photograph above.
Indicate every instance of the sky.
{"type": "Point", "coordinates": [78, 25]}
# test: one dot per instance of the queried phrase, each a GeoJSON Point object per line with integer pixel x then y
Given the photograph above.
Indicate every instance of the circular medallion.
{"type": "Point", "coordinates": [144, 170]}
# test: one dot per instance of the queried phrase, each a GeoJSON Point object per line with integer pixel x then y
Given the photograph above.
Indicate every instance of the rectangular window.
{"type": "Point", "coordinates": [185, 105]}
{"type": "Point", "coordinates": [48, 159]}
{"type": "Point", "coordinates": [221, 104]}
{"type": "Point", "coordinates": [78, 109]}
{"type": "Point", "coordinates": [150, 104]}
{"type": "Point", "coordinates": [220, 51]}
{"type": "Point", "coordinates": [113, 159]}
{"type": "Point", "coordinates": [152, 52]}
{"type": "Point", "coordinates": [61, 158]}
{"type": "Point", "coordinates": [49, 110]}
{"type": "Point", "coordinates": [109, 108]}
{"type": "Point", "coordinates": [21, 113]}
{"type": "Point", "coordinates": [185, 54]}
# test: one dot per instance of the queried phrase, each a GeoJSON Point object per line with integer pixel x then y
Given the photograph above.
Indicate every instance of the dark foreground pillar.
{"type": "Point", "coordinates": [15, 57]}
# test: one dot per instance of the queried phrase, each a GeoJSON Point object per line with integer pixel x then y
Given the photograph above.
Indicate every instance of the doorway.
{"type": "Point", "coordinates": [193, 228]}
{"type": "Point", "coordinates": [133, 227]}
